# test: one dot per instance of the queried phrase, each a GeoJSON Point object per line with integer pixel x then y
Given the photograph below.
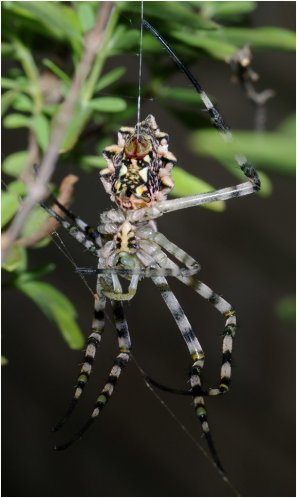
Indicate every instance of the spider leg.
{"type": "Point", "coordinates": [94, 340]}
{"type": "Point", "coordinates": [228, 334]}
{"type": "Point", "coordinates": [163, 207]}
{"type": "Point", "coordinates": [84, 227]}
{"type": "Point", "coordinates": [115, 291]}
{"type": "Point", "coordinates": [75, 231]}
{"type": "Point", "coordinates": [176, 251]}
{"type": "Point", "coordinates": [197, 355]}
{"type": "Point", "coordinates": [215, 116]}
{"type": "Point", "coordinates": [118, 365]}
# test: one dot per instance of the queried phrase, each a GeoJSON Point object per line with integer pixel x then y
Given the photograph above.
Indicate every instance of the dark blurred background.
{"type": "Point", "coordinates": [247, 254]}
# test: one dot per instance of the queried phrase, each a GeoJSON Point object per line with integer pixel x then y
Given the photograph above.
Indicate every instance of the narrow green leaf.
{"type": "Point", "coordinates": [288, 126]}
{"type": "Point", "coordinates": [218, 47]}
{"type": "Point", "coordinates": [35, 274]}
{"type": "Point", "coordinates": [286, 309]}
{"type": "Point", "coordinates": [181, 94]}
{"type": "Point", "coordinates": [181, 13]}
{"type": "Point", "coordinates": [86, 15]}
{"type": "Point", "coordinates": [18, 188]}
{"type": "Point", "coordinates": [16, 121]}
{"type": "Point", "coordinates": [57, 71]}
{"type": "Point", "coordinates": [9, 206]}
{"type": "Point", "coordinates": [4, 361]}
{"type": "Point", "coordinates": [16, 259]}
{"type": "Point", "coordinates": [75, 127]}
{"type": "Point", "coordinates": [108, 104]}
{"type": "Point", "coordinates": [109, 78]}
{"type": "Point", "coordinates": [15, 163]}
{"type": "Point", "coordinates": [56, 17]}
{"type": "Point", "coordinates": [187, 184]}
{"type": "Point", "coordinates": [93, 162]}
{"type": "Point", "coordinates": [23, 103]}
{"type": "Point", "coordinates": [264, 37]}
{"type": "Point", "coordinates": [41, 127]}
{"type": "Point", "coordinates": [7, 100]}
{"type": "Point", "coordinates": [57, 308]}
{"type": "Point", "coordinates": [271, 150]}
{"type": "Point", "coordinates": [7, 49]}
{"type": "Point", "coordinates": [227, 10]}
{"type": "Point", "coordinates": [34, 222]}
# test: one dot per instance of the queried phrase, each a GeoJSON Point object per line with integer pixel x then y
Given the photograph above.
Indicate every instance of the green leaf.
{"type": "Point", "coordinates": [286, 309]}
{"type": "Point", "coordinates": [266, 37]}
{"type": "Point", "coordinates": [181, 13]}
{"type": "Point", "coordinates": [34, 222]}
{"type": "Point", "coordinates": [33, 275]}
{"type": "Point", "coordinates": [9, 206]}
{"type": "Point", "coordinates": [57, 308]}
{"type": "Point", "coordinates": [7, 100]}
{"type": "Point", "coordinates": [108, 104]}
{"type": "Point", "coordinates": [23, 103]}
{"type": "Point", "coordinates": [93, 162]}
{"type": "Point", "coordinates": [271, 150]}
{"type": "Point", "coordinates": [4, 361]}
{"type": "Point", "coordinates": [56, 17]}
{"type": "Point", "coordinates": [16, 121]}
{"type": "Point", "coordinates": [288, 126]}
{"type": "Point", "coordinates": [227, 10]}
{"type": "Point", "coordinates": [20, 84]}
{"type": "Point", "coordinates": [86, 15]}
{"type": "Point", "coordinates": [18, 188]}
{"type": "Point", "coordinates": [57, 71]}
{"type": "Point", "coordinates": [217, 48]}
{"type": "Point", "coordinates": [15, 163]}
{"type": "Point", "coordinates": [16, 259]}
{"type": "Point", "coordinates": [186, 95]}
{"type": "Point", "coordinates": [187, 184]}
{"type": "Point", "coordinates": [75, 127]}
{"type": "Point", "coordinates": [41, 127]}
{"type": "Point", "coordinates": [110, 78]}
{"type": "Point", "coordinates": [7, 49]}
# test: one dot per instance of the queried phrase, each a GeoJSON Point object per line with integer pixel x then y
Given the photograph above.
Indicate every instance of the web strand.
{"type": "Point", "coordinates": [140, 70]}
{"type": "Point", "coordinates": [185, 430]}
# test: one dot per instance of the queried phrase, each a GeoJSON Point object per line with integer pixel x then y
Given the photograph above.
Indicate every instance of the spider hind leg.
{"type": "Point", "coordinates": [120, 362]}
{"type": "Point", "coordinates": [94, 340]}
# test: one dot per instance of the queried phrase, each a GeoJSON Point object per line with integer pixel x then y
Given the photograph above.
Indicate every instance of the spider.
{"type": "Point", "coordinates": [128, 247]}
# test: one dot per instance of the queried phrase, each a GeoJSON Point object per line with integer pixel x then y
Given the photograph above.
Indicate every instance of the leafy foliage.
{"type": "Point", "coordinates": [43, 42]}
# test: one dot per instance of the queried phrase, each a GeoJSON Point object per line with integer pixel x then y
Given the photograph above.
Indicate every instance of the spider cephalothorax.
{"type": "Point", "coordinates": [138, 171]}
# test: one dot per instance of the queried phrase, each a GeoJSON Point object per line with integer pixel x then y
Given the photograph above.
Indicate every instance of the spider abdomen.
{"type": "Point", "coordinates": [138, 172]}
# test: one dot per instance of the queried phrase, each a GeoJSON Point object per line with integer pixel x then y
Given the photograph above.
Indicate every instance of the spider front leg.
{"type": "Point", "coordinates": [94, 340]}
{"type": "Point", "coordinates": [119, 363]}
{"type": "Point", "coordinates": [197, 355]}
{"type": "Point", "coordinates": [78, 229]}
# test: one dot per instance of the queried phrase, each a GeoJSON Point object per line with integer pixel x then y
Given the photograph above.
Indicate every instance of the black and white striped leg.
{"type": "Point", "coordinates": [75, 231]}
{"type": "Point", "coordinates": [119, 363]}
{"type": "Point", "coordinates": [89, 231]}
{"type": "Point", "coordinates": [228, 333]}
{"type": "Point", "coordinates": [215, 116]}
{"type": "Point", "coordinates": [197, 355]}
{"type": "Point", "coordinates": [93, 342]}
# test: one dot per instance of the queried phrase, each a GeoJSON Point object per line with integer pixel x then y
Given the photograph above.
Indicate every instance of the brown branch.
{"type": "Point", "coordinates": [243, 73]}
{"type": "Point", "coordinates": [37, 190]}
{"type": "Point", "coordinates": [51, 225]}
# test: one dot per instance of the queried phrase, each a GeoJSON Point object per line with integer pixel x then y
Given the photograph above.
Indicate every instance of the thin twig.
{"type": "Point", "coordinates": [37, 190]}
{"type": "Point", "coordinates": [242, 71]}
